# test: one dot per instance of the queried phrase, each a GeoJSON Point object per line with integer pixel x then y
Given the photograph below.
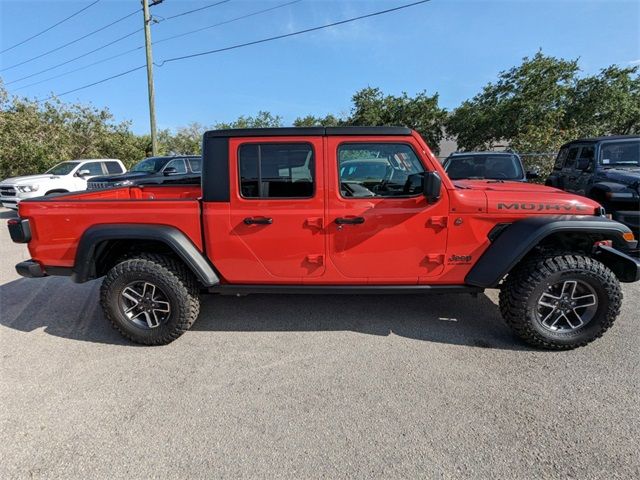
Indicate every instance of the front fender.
{"type": "Point", "coordinates": [519, 238]}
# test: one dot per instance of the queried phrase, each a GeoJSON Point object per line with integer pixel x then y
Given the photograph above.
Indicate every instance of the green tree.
{"type": "Point", "coordinates": [35, 136]}
{"type": "Point", "coordinates": [261, 120]}
{"type": "Point", "coordinates": [371, 107]}
{"type": "Point", "coordinates": [542, 103]}
{"type": "Point", "coordinates": [525, 108]}
{"type": "Point", "coordinates": [313, 121]}
{"type": "Point", "coordinates": [607, 103]}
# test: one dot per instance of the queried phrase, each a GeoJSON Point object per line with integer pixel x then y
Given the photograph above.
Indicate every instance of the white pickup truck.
{"type": "Point", "coordinates": [70, 176]}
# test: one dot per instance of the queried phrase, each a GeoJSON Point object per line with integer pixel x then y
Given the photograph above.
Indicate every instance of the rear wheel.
{"type": "Point", "coordinates": [560, 301]}
{"type": "Point", "coordinates": [150, 299]}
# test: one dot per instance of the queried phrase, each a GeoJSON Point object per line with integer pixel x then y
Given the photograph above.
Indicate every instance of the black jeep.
{"type": "Point", "coordinates": [176, 169]}
{"type": "Point", "coordinates": [606, 169]}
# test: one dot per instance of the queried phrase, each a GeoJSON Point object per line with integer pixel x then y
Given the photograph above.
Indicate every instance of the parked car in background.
{"type": "Point", "coordinates": [606, 169]}
{"type": "Point", "coordinates": [486, 165]}
{"type": "Point", "coordinates": [70, 176]}
{"type": "Point", "coordinates": [176, 169]}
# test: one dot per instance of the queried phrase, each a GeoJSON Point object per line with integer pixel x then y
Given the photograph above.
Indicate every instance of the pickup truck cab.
{"type": "Point", "coordinates": [333, 210]}
{"type": "Point", "coordinates": [70, 176]}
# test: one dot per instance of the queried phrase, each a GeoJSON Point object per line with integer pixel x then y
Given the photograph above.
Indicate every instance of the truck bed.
{"type": "Point", "coordinates": [58, 222]}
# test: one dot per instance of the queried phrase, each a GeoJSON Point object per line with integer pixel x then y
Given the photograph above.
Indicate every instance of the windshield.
{"type": "Point", "coordinates": [150, 165]}
{"type": "Point", "coordinates": [495, 167]}
{"type": "Point", "coordinates": [620, 153]}
{"type": "Point", "coordinates": [63, 168]}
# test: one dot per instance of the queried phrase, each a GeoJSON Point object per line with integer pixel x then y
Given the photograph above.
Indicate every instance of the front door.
{"type": "Point", "coordinates": [277, 214]}
{"type": "Point", "coordinates": [381, 228]}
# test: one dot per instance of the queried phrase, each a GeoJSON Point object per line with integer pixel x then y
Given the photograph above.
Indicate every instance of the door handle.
{"type": "Point", "coordinates": [258, 221]}
{"type": "Point", "coordinates": [350, 220]}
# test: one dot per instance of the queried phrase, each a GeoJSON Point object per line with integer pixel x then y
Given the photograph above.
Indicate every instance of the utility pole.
{"type": "Point", "coordinates": [152, 98]}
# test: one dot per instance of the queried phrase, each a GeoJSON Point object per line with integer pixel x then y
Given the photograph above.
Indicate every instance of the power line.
{"type": "Point", "coordinates": [292, 34]}
{"type": "Point", "coordinates": [246, 44]}
{"type": "Point", "coordinates": [121, 74]}
{"type": "Point", "coordinates": [79, 68]}
{"type": "Point", "coordinates": [197, 9]}
{"type": "Point", "coordinates": [242, 17]}
{"type": "Point", "coordinates": [53, 67]}
{"type": "Point", "coordinates": [71, 42]}
{"type": "Point", "coordinates": [49, 28]}
{"type": "Point", "coordinates": [76, 58]}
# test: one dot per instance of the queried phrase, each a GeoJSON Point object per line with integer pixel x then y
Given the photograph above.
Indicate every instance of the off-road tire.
{"type": "Point", "coordinates": [178, 284]}
{"type": "Point", "coordinates": [523, 286]}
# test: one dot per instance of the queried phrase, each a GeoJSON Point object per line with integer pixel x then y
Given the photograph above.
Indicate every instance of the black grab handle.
{"type": "Point", "coordinates": [350, 220]}
{"type": "Point", "coordinates": [258, 221]}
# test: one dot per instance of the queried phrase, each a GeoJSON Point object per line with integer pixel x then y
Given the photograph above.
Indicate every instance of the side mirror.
{"type": "Point", "coordinates": [431, 186]}
{"type": "Point", "coordinates": [532, 174]}
{"type": "Point", "coordinates": [83, 173]}
{"type": "Point", "coordinates": [583, 163]}
{"type": "Point", "coordinates": [170, 171]}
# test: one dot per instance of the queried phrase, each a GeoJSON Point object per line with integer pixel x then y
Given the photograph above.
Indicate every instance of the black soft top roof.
{"type": "Point", "coordinates": [602, 139]}
{"type": "Point", "coordinates": [308, 131]}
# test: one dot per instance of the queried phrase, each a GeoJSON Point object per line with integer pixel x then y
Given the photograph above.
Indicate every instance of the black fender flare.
{"type": "Point", "coordinates": [84, 265]}
{"type": "Point", "coordinates": [519, 238]}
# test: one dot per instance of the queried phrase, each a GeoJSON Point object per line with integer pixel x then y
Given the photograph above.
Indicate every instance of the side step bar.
{"type": "Point", "coordinates": [344, 289]}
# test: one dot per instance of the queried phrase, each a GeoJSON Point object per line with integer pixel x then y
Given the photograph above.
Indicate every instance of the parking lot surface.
{"type": "Point", "coordinates": [307, 387]}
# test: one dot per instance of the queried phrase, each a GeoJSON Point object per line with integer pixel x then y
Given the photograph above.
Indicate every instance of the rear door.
{"type": "Point", "coordinates": [381, 228]}
{"type": "Point", "coordinates": [277, 208]}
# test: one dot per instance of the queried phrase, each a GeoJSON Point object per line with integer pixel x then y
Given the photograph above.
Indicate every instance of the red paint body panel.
{"type": "Point", "coordinates": [58, 224]}
{"type": "Point", "coordinates": [402, 241]}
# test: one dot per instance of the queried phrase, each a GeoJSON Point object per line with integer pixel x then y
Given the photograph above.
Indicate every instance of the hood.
{"type": "Point", "coordinates": [516, 198]}
{"type": "Point", "coordinates": [506, 186]}
{"type": "Point", "coordinates": [29, 179]}
{"type": "Point", "coordinates": [625, 176]}
{"type": "Point", "coordinates": [122, 176]}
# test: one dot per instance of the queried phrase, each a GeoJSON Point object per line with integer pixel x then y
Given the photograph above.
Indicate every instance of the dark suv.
{"type": "Point", "coordinates": [182, 169]}
{"type": "Point", "coordinates": [606, 169]}
{"type": "Point", "coordinates": [486, 165]}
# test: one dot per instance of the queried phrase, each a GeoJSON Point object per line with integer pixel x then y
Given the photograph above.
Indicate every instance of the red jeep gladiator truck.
{"type": "Point", "coordinates": [334, 210]}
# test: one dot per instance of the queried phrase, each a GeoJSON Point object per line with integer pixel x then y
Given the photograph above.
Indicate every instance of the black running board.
{"type": "Point", "coordinates": [344, 289]}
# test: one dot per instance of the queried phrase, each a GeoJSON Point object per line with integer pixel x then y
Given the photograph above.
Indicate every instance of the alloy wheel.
{"type": "Point", "coordinates": [567, 306]}
{"type": "Point", "coordinates": [145, 304]}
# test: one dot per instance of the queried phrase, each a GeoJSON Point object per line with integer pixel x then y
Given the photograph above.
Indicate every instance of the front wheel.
{"type": "Point", "coordinates": [150, 299]}
{"type": "Point", "coordinates": [560, 301]}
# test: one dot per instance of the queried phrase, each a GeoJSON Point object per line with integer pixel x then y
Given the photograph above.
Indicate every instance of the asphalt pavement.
{"type": "Point", "coordinates": [307, 387]}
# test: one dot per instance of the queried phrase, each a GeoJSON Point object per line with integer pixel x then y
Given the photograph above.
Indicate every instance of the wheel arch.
{"type": "Point", "coordinates": [56, 190]}
{"type": "Point", "coordinates": [516, 241]}
{"type": "Point", "coordinates": [101, 246]}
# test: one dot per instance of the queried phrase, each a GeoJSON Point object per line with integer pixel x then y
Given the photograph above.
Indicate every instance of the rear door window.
{"type": "Point", "coordinates": [276, 170]}
{"type": "Point", "coordinates": [94, 168]}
